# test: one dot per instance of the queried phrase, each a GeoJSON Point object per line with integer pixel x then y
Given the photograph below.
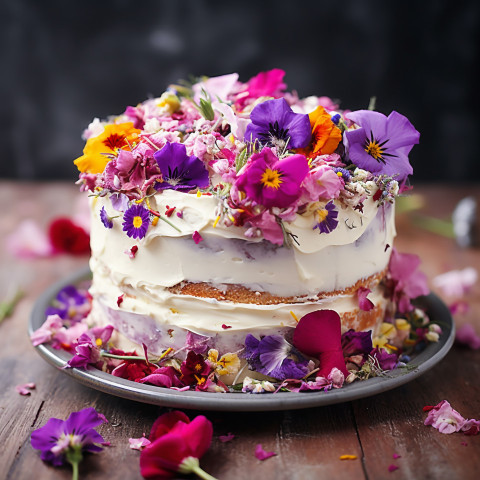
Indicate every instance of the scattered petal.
{"type": "Point", "coordinates": [466, 335]}
{"type": "Point", "coordinates": [138, 443]}
{"type": "Point", "coordinates": [348, 457]}
{"type": "Point", "coordinates": [197, 238]}
{"type": "Point", "coordinates": [396, 455]}
{"type": "Point", "coordinates": [392, 468]}
{"type": "Point", "coordinates": [226, 438]}
{"type": "Point", "coordinates": [25, 388]}
{"type": "Point", "coordinates": [261, 454]}
{"type": "Point", "coordinates": [456, 283]}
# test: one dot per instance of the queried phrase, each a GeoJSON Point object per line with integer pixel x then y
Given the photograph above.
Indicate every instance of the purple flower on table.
{"type": "Point", "coordinates": [106, 220]}
{"type": "Point", "coordinates": [274, 356]}
{"type": "Point", "coordinates": [356, 343]}
{"type": "Point", "coordinates": [272, 182]}
{"type": "Point", "coordinates": [64, 441]}
{"type": "Point", "coordinates": [88, 347]}
{"type": "Point", "coordinates": [180, 171]}
{"type": "Point", "coordinates": [381, 145]}
{"type": "Point", "coordinates": [136, 221]}
{"type": "Point", "coordinates": [327, 218]}
{"type": "Point", "coordinates": [276, 125]}
{"type": "Point", "coordinates": [70, 304]}
{"type": "Point", "coordinates": [444, 418]}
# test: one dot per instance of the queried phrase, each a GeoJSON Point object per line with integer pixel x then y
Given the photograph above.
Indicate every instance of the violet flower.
{"type": "Point", "coordinates": [386, 361]}
{"type": "Point", "coordinates": [136, 221]}
{"type": "Point", "coordinates": [356, 343]}
{"type": "Point", "coordinates": [381, 145]}
{"type": "Point", "coordinates": [70, 304]}
{"type": "Point", "coordinates": [272, 182]}
{"type": "Point", "coordinates": [88, 347]}
{"type": "Point", "coordinates": [276, 125]}
{"type": "Point", "coordinates": [274, 356]}
{"type": "Point", "coordinates": [65, 441]}
{"type": "Point", "coordinates": [180, 171]}
{"type": "Point", "coordinates": [105, 218]}
{"type": "Point", "coordinates": [327, 218]}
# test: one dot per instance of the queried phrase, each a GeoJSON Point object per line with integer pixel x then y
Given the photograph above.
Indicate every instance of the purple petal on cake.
{"type": "Point", "coordinates": [106, 220]}
{"type": "Point", "coordinates": [356, 343]}
{"type": "Point", "coordinates": [57, 437]}
{"type": "Point", "coordinates": [273, 350]}
{"type": "Point", "coordinates": [197, 343]}
{"type": "Point", "coordinates": [180, 171]}
{"type": "Point", "coordinates": [119, 201]}
{"type": "Point", "coordinates": [273, 182]}
{"type": "Point", "coordinates": [364, 302]}
{"type": "Point", "coordinates": [327, 218]}
{"type": "Point", "coordinates": [386, 361]}
{"type": "Point", "coordinates": [136, 221]}
{"type": "Point", "coordinates": [275, 124]}
{"type": "Point", "coordinates": [381, 145]}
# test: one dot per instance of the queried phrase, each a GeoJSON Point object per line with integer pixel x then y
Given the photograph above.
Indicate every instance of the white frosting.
{"type": "Point", "coordinates": [321, 262]}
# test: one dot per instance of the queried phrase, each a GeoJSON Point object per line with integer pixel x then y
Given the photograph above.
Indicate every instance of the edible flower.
{"type": "Point", "coordinates": [65, 441]}
{"type": "Point", "coordinates": [325, 134]}
{"type": "Point", "coordinates": [68, 237]}
{"type": "Point", "coordinates": [272, 182]}
{"type": "Point", "coordinates": [356, 343]}
{"type": "Point", "coordinates": [381, 145]}
{"type": "Point", "coordinates": [444, 418]}
{"type": "Point", "coordinates": [274, 124]}
{"type": "Point", "coordinates": [318, 334]}
{"type": "Point", "coordinates": [105, 218]}
{"type": "Point", "coordinates": [327, 218]}
{"type": "Point", "coordinates": [97, 150]}
{"type": "Point", "coordinates": [265, 84]}
{"type": "Point", "coordinates": [136, 221]}
{"type": "Point", "coordinates": [70, 304]}
{"type": "Point", "coordinates": [176, 446]}
{"type": "Point", "coordinates": [88, 347]}
{"type": "Point", "coordinates": [227, 364]}
{"type": "Point", "coordinates": [274, 356]}
{"type": "Point", "coordinates": [261, 454]}
{"type": "Point", "coordinates": [180, 171]}
{"type": "Point", "coordinates": [194, 369]}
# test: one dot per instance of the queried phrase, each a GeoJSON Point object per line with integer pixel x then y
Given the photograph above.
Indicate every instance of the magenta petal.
{"type": "Point", "coordinates": [318, 334]}
{"type": "Point", "coordinates": [363, 302]}
{"type": "Point", "coordinates": [160, 380]}
{"type": "Point", "coordinates": [466, 335]}
{"type": "Point", "coordinates": [261, 454]}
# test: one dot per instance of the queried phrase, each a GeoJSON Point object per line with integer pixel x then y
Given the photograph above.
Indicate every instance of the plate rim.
{"type": "Point", "coordinates": [232, 401]}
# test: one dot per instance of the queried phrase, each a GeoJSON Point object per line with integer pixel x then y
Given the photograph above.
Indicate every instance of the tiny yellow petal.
{"type": "Point", "coordinates": [294, 316]}
{"type": "Point", "coordinates": [348, 457]}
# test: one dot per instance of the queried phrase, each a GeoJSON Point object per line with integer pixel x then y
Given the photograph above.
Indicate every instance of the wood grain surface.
{"type": "Point", "coordinates": [308, 442]}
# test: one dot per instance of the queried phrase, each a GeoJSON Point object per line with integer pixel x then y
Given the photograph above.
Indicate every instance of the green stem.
{"type": "Point", "coordinates": [74, 470]}
{"type": "Point", "coordinates": [161, 217]}
{"type": "Point", "coordinates": [434, 225]}
{"type": "Point", "coordinates": [202, 473]}
{"type": "Point", "coordinates": [7, 307]}
{"type": "Point", "coordinates": [122, 357]}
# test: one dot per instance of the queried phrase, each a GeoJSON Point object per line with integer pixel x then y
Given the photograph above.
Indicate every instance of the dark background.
{"type": "Point", "coordinates": [65, 62]}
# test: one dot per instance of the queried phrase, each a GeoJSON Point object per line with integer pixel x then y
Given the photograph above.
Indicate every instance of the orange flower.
{"type": "Point", "coordinates": [325, 135]}
{"type": "Point", "coordinates": [114, 137]}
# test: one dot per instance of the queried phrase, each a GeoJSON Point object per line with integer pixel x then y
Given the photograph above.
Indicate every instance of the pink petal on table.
{"type": "Point", "coordinates": [261, 454]}
{"type": "Point", "coordinates": [456, 283]}
{"type": "Point", "coordinates": [25, 388]}
{"type": "Point", "coordinates": [392, 468]}
{"type": "Point", "coordinates": [138, 443]}
{"type": "Point", "coordinates": [466, 335]}
{"type": "Point", "coordinates": [396, 455]}
{"type": "Point", "coordinates": [226, 438]}
{"type": "Point", "coordinates": [29, 241]}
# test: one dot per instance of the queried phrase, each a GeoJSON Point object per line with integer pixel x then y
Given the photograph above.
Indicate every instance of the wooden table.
{"type": "Point", "coordinates": [308, 442]}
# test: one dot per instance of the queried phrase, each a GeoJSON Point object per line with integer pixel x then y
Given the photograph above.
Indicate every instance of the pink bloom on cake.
{"type": "Point", "coordinates": [176, 446]}
{"type": "Point", "coordinates": [364, 302]}
{"type": "Point", "coordinates": [456, 283]}
{"type": "Point", "coordinates": [139, 443]}
{"type": "Point", "coordinates": [466, 335]}
{"type": "Point", "coordinates": [261, 454]}
{"type": "Point", "coordinates": [272, 182]}
{"type": "Point", "coordinates": [322, 182]}
{"type": "Point", "coordinates": [216, 87]}
{"type": "Point", "coordinates": [444, 418]}
{"type": "Point", "coordinates": [197, 238]}
{"type": "Point", "coordinates": [88, 346]}
{"type": "Point", "coordinates": [28, 241]}
{"type": "Point", "coordinates": [268, 226]}
{"type": "Point", "coordinates": [406, 282]}
{"type": "Point", "coordinates": [238, 125]}
{"type": "Point", "coordinates": [25, 389]}
{"type": "Point", "coordinates": [318, 334]}
{"type": "Point", "coordinates": [46, 332]}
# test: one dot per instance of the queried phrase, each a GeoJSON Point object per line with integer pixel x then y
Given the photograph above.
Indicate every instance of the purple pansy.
{"type": "Point", "coordinates": [275, 124]}
{"type": "Point", "coordinates": [274, 356]}
{"type": "Point", "coordinates": [180, 171]}
{"type": "Point", "coordinates": [58, 439]}
{"type": "Point", "coordinates": [381, 145]}
{"type": "Point", "coordinates": [356, 343]}
{"type": "Point", "coordinates": [105, 218]}
{"type": "Point", "coordinates": [136, 221]}
{"type": "Point", "coordinates": [70, 304]}
{"type": "Point", "coordinates": [386, 361]}
{"type": "Point", "coordinates": [272, 182]}
{"type": "Point", "coordinates": [327, 218]}
{"type": "Point", "coordinates": [88, 346]}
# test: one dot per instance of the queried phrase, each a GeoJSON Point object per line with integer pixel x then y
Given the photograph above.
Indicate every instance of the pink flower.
{"type": "Point", "coordinates": [466, 335]}
{"type": "Point", "coordinates": [261, 454]}
{"type": "Point", "coordinates": [392, 468]}
{"type": "Point", "coordinates": [226, 438]}
{"type": "Point", "coordinates": [406, 282]}
{"type": "Point", "coordinates": [268, 226]}
{"type": "Point", "coordinates": [197, 238]}
{"type": "Point", "coordinates": [456, 283]}
{"type": "Point", "coordinates": [471, 427]}
{"type": "Point", "coordinates": [25, 388]}
{"type": "Point", "coordinates": [176, 445]}
{"type": "Point", "coordinates": [444, 418]}
{"type": "Point", "coordinates": [139, 443]}
{"type": "Point", "coordinates": [216, 87]}
{"type": "Point", "coordinates": [318, 334]}
{"type": "Point", "coordinates": [29, 241]}
{"type": "Point", "coordinates": [321, 182]}
{"type": "Point", "coordinates": [364, 303]}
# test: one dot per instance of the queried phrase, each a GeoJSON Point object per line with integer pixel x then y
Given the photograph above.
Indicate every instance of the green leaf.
{"type": "Point", "coordinates": [206, 109]}
{"type": "Point", "coordinates": [241, 159]}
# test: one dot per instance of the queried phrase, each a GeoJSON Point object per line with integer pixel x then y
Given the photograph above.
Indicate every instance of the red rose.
{"type": "Point", "coordinates": [177, 444]}
{"type": "Point", "coordinates": [67, 237]}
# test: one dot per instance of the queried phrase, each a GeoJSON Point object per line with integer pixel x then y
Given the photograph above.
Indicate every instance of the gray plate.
{"type": "Point", "coordinates": [120, 387]}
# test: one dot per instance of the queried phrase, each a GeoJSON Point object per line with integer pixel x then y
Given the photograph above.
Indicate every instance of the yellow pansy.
{"type": "Point", "coordinates": [114, 137]}
{"type": "Point", "coordinates": [228, 364]}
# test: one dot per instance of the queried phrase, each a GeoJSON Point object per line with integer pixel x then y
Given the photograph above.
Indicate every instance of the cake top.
{"type": "Point", "coordinates": [266, 155]}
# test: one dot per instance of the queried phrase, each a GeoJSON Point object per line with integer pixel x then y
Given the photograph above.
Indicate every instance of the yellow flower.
{"type": "Point", "coordinates": [114, 137]}
{"type": "Point", "coordinates": [228, 364]}
{"type": "Point", "coordinates": [169, 102]}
